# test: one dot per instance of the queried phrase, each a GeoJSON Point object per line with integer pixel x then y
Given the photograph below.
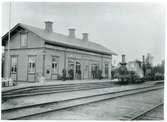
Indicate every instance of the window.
{"type": "Point", "coordinates": [54, 65]}
{"type": "Point", "coordinates": [23, 39]}
{"type": "Point", "coordinates": [13, 64]}
{"type": "Point", "coordinates": [31, 64]}
{"type": "Point", "coordinates": [70, 64]}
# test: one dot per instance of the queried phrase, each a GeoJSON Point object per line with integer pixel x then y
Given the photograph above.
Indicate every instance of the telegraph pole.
{"type": "Point", "coordinates": [8, 47]}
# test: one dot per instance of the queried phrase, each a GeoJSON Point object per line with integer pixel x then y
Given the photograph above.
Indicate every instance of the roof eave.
{"type": "Point", "coordinates": [69, 46]}
{"type": "Point", "coordinates": [11, 30]}
{"type": "Point", "coordinates": [114, 54]}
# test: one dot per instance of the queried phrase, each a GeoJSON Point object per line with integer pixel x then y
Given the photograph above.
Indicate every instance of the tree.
{"type": "Point", "coordinates": [149, 60]}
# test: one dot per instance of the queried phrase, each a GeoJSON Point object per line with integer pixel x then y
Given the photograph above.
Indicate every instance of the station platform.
{"type": "Point", "coordinates": [59, 82]}
{"type": "Point", "coordinates": [52, 82]}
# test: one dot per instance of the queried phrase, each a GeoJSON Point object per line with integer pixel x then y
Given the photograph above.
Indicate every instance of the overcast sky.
{"type": "Point", "coordinates": [133, 29]}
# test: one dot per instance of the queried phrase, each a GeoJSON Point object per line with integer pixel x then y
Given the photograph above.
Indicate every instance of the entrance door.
{"type": "Point", "coordinates": [55, 67]}
{"type": "Point", "coordinates": [13, 68]}
{"type": "Point", "coordinates": [78, 70]}
{"type": "Point", "coordinates": [94, 71]}
{"type": "Point", "coordinates": [71, 69]}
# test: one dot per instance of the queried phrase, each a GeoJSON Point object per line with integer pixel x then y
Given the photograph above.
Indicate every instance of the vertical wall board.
{"type": "Point", "coordinates": [22, 65]}
{"type": "Point", "coordinates": [34, 40]}
{"type": "Point", "coordinates": [15, 41]}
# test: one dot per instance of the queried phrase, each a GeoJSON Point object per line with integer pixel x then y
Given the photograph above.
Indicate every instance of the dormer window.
{"type": "Point", "coordinates": [23, 38]}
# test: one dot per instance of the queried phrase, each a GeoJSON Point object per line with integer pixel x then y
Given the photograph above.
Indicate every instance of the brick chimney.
{"type": "Point", "coordinates": [85, 36]}
{"type": "Point", "coordinates": [71, 32]}
{"type": "Point", "coordinates": [123, 58]}
{"type": "Point", "coordinates": [48, 26]}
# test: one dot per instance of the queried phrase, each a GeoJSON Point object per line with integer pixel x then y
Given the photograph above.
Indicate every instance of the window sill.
{"type": "Point", "coordinates": [31, 73]}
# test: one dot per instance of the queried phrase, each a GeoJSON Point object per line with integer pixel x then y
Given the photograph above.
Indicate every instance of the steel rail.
{"type": "Point", "coordinates": [145, 112]}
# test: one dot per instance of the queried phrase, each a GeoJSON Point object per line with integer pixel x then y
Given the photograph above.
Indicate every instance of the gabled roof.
{"type": "Point", "coordinates": [60, 39]}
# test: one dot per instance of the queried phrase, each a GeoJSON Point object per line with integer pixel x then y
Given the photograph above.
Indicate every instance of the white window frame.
{"type": "Point", "coordinates": [71, 64]}
{"type": "Point", "coordinates": [54, 63]}
{"type": "Point", "coordinates": [13, 64]}
{"type": "Point", "coordinates": [31, 68]}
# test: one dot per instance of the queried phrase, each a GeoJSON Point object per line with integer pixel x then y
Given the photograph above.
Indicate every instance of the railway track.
{"type": "Point", "coordinates": [140, 115]}
{"type": "Point", "coordinates": [35, 109]}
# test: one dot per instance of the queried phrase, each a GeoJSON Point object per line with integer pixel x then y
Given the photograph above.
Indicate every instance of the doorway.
{"type": "Point", "coordinates": [55, 67]}
{"type": "Point", "coordinates": [78, 70]}
{"type": "Point", "coordinates": [71, 69]}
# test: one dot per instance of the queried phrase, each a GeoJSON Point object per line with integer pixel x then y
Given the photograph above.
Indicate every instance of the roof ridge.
{"type": "Point", "coordinates": [57, 33]}
{"type": "Point", "coordinates": [63, 39]}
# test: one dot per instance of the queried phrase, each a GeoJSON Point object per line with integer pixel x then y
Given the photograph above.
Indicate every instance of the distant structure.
{"type": "Point", "coordinates": [149, 60]}
{"type": "Point", "coordinates": [42, 52]}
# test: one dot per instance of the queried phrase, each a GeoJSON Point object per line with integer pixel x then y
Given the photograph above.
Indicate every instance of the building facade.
{"type": "Point", "coordinates": [41, 52]}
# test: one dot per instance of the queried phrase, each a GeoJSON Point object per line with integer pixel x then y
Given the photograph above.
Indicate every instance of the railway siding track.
{"type": "Point", "coordinates": [147, 111]}
{"type": "Point", "coordinates": [138, 115]}
{"type": "Point", "coordinates": [31, 110]}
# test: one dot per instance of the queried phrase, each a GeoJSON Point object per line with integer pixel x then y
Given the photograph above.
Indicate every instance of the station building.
{"type": "Point", "coordinates": [35, 51]}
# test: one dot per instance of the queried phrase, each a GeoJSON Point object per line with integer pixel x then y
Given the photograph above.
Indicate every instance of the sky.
{"type": "Point", "coordinates": [133, 29]}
